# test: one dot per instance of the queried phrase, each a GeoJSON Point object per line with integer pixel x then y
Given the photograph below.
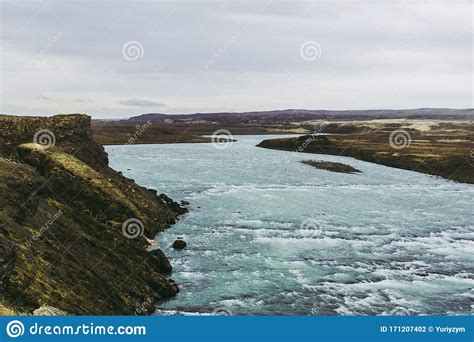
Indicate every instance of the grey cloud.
{"type": "Point", "coordinates": [419, 51]}
{"type": "Point", "coordinates": [141, 103]}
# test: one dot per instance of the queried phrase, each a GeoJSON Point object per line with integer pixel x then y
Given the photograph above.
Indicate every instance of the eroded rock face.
{"type": "Point", "coordinates": [72, 230]}
{"type": "Point", "coordinates": [71, 133]}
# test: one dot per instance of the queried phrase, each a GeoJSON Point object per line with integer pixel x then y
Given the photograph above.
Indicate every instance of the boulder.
{"type": "Point", "coordinates": [179, 244]}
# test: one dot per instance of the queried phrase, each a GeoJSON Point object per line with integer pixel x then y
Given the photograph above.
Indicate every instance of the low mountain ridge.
{"type": "Point", "coordinates": [300, 115]}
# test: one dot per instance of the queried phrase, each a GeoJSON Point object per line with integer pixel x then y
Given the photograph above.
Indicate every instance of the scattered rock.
{"type": "Point", "coordinates": [179, 244]}
{"type": "Point", "coordinates": [175, 287]}
{"type": "Point", "coordinates": [174, 206]}
{"type": "Point", "coordinates": [159, 260]}
{"type": "Point", "coordinates": [185, 203]}
{"type": "Point", "coordinates": [153, 191]}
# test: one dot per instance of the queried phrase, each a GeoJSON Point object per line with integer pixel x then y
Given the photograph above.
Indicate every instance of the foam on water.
{"type": "Point", "coordinates": [269, 235]}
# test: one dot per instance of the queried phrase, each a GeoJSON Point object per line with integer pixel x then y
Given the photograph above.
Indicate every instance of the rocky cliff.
{"type": "Point", "coordinates": [73, 232]}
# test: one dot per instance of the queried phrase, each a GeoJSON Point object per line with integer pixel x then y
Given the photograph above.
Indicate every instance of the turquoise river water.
{"type": "Point", "coordinates": [268, 235]}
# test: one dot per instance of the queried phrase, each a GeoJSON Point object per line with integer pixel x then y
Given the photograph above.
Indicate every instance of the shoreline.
{"type": "Point", "coordinates": [447, 164]}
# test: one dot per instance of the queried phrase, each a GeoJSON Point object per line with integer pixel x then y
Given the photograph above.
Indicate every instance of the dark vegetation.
{"type": "Point", "coordinates": [446, 150]}
{"type": "Point", "coordinates": [331, 166]}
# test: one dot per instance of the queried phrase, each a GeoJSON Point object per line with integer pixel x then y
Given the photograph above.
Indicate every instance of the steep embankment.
{"type": "Point", "coordinates": [72, 230]}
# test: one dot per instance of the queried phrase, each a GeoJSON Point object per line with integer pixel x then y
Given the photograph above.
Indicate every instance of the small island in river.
{"type": "Point", "coordinates": [331, 166]}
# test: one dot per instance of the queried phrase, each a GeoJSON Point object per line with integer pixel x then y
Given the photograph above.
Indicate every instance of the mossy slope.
{"type": "Point", "coordinates": [61, 238]}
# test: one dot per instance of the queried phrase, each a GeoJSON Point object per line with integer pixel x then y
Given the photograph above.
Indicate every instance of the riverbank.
{"type": "Point", "coordinates": [124, 132]}
{"type": "Point", "coordinates": [73, 231]}
{"type": "Point", "coordinates": [445, 150]}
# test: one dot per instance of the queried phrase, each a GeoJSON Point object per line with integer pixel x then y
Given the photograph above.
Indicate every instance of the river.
{"type": "Point", "coordinates": [268, 235]}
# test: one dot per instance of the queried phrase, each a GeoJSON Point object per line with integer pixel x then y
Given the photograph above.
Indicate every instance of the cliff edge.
{"type": "Point", "coordinates": [73, 232]}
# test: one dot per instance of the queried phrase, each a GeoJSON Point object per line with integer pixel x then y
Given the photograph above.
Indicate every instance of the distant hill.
{"type": "Point", "coordinates": [298, 115]}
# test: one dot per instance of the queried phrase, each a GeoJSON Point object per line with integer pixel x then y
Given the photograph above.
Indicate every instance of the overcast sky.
{"type": "Point", "coordinates": [116, 59]}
